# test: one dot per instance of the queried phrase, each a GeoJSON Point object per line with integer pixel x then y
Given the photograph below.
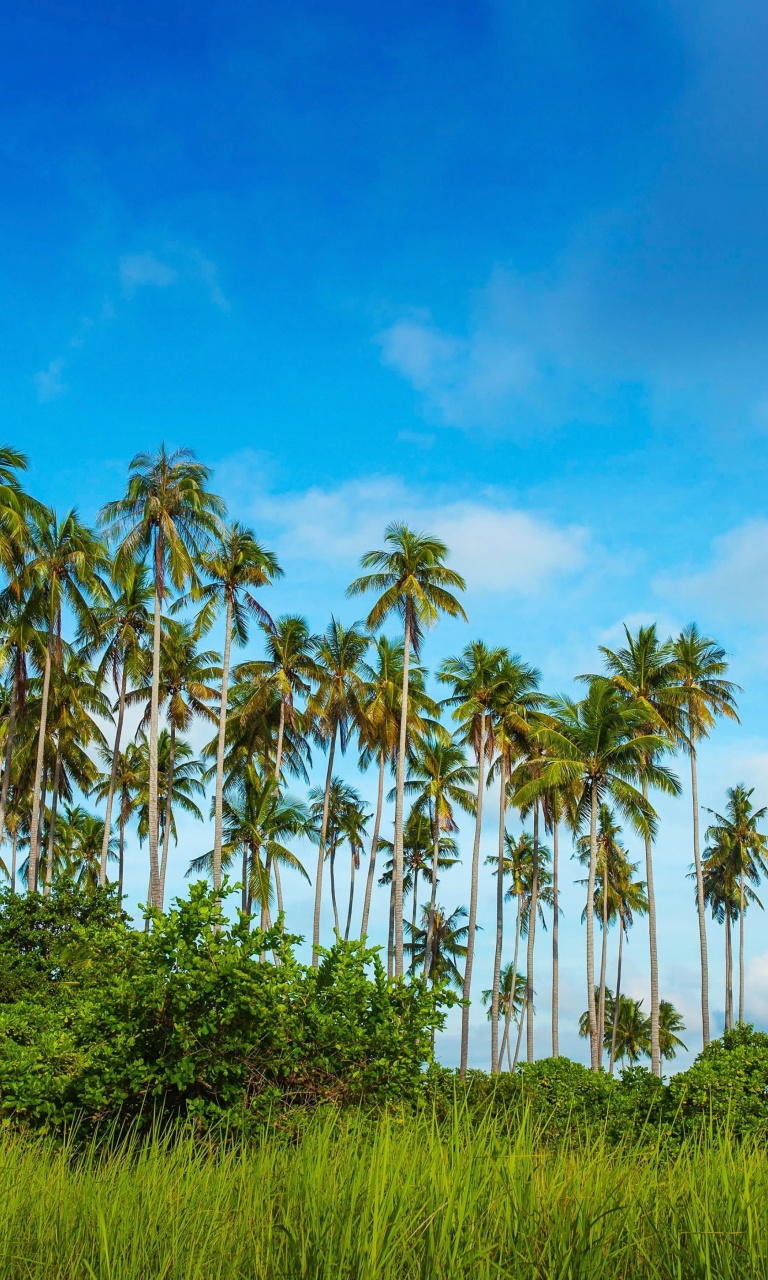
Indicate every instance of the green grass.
{"type": "Point", "coordinates": [398, 1197]}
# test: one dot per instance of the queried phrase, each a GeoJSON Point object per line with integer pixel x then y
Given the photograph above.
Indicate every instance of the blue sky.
{"type": "Point", "coordinates": [497, 269]}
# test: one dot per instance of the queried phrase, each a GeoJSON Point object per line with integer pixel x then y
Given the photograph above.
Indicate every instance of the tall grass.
{"type": "Point", "coordinates": [398, 1197]}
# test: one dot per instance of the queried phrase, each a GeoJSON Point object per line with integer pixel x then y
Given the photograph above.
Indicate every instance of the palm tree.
{"type": "Point", "coordinates": [418, 860]}
{"type": "Point", "coordinates": [79, 837]}
{"type": "Point", "coordinates": [21, 615]}
{"type": "Point", "coordinates": [345, 820]}
{"type": "Point", "coordinates": [516, 699]}
{"type": "Point", "coordinates": [738, 853]}
{"type": "Point", "coordinates": [599, 745]}
{"type": "Point", "coordinates": [128, 781]}
{"type": "Point", "coordinates": [475, 677]}
{"type": "Point", "coordinates": [645, 671]}
{"type": "Point", "coordinates": [439, 781]}
{"type": "Point", "coordinates": [169, 514]}
{"type": "Point", "coordinates": [412, 581]}
{"type": "Point", "coordinates": [234, 568]}
{"type": "Point", "coordinates": [181, 785]}
{"type": "Point", "coordinates": [704, 694]}
{"type": "Point", "coordinates": [335, 707]}
{"type": "Point", "coordinates": [509, 1004]}
{"type": "Point", "coordinates": [627, 899]}
{"type": "Point", "coordinates": [631, 1038]}
{"type": "Point", "coordinates": [670, 1022]}
{"type": "Point", "coordinates": [289, 669]}
{"type": "Point", "coordinates": [449, 935]}
{"type": "Point", "coordinates": [121, 625]}
{"type": "Point", "coordinates": [65, 562]}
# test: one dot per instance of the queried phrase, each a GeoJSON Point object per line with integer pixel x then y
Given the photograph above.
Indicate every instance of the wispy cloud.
{"type": "Point", "coordinates": [138, 270]}
{"type": "Point", "coordinates": [734, 582]}
{"type": "Point", "coordinates": [49, 383]}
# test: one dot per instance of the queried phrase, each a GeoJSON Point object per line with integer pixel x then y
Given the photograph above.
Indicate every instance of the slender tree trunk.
{"type": "Point", "coordinates": [112, 780]}
{"type": "Point", "coordinates": [591, 930]}
{"type": "Point", "coordinates": [391, 935]}
{"type": "Point", "coordinates": [616, 1002]}
{"type": "Point", "coordinates": [333, 886]}
{"type": "Point", "coordinates": [432, 890]}
{"type": "Point", "coordinates": [121, 848]}
{"type": "Point", "coordinates": [495, 1057]}
{"type": "Point", "coordinates": [415, 902]}
{"type": "Point", "coordinates": [603, 963]}
{"type": "Point", "coordinates": [374, 847]}
{"type": "Point", "coordinates": [399, 793]}
{"type": "Point", "coordinates": [12, 713]}
{"type": "Point", "coordinates": [509, 1055]}
{"type": "Point", "coordinates": [34, 826]}
{"type": "Point", "coordinates": [555, 946]}
{"type": "Point", "coordinates": [219, 800]}
{"type": "Point", "coordinates": [168, 817]}
{"type": "Point", "coordinates": [321, 852]}
{"type": "Point", "coordinates": [351, 894]}
{"type": "Point", "coordinates": [728, 973]}
{"type": "Point", "coordinates": [52, 824]}
{"type": "Point", "coordinates": [40, 826]}
{"type": "Point", "coordinates": [655, 1058]}
{"type": "Point", "coordinates": [513, 993]}
{"type": "Point", "coordinates": [741, 947]}
{"type": "Point", "coordinates": [280, 736]}
{"type": "Point", "coordinates": [14, 851]}
{"type": "Point", "coordinates": [278, 887]}
{"type": "Point", "coordinates": [473, 904]}
{"type": "Point", "coordinates": [244, 878]}
{"type": "Point", "coordinates": [532, 936]}
{"type": "Point", "coordinates": [700, 904]}
{"type": "Point", "coordinates": [519, 1040]}
{"type": "Point", "coordinates": [154, 716]}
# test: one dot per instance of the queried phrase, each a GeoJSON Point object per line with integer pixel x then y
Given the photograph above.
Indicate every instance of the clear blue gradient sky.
{"type": "Point", "coordinates": [497, 269]}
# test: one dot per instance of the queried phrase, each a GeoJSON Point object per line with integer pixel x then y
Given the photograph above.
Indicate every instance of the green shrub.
{"type": "Point", "coordinates": [727, 1084]}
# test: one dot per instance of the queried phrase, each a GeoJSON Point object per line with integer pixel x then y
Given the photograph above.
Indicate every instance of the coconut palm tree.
{"type": "Point", "coordinates": [599, 745]}
{"type": "Point", "coordinates": [509, 1004]}
{"type": "Point", "coordinates": [418, 860]}
{"type": "Point", "coordinates": [120, 628]}
{"type": "Point", "coordinates": [183, 784]}
{"type": "Point", "coordinates": [449, 934]}
{"type": "Point", "coordinates": [66, 563]}
{"type": "Point", "coordinates": [737, 854]}
{"type": "Point", "coordinates": [345, 821]}
{"type": "Point", "coordinates": [704, 695]}
{"type": "Point", "coordinates": [290, 670]}
{"type": "Point", "coordinates": [129, 778]}
{"type": "Point", "coordinates": [645, 670]}
{"type": "Point", "coordinates": [412, 581]}
{"type": "Point", "coordinates": [22, 614]}
{"type": "Point", "coordinates": [439, 782]}
{"type": "Point", "coordinates": [233, 568]}
{"type": "Point", "coordinates": [335, 708]}
{"type": "Point", "coordinates": [626, 900]}
{"type": "Point", "coordinates": [475, 677]}
{"type": "Point", "coordinates": [169, 515]}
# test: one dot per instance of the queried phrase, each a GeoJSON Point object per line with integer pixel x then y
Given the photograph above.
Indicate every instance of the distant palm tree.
{"type": "Point", "coordinates": [632, 1037]}
{"type": "Point", "coordinates": [509, 1004]}
{"type": "Point", "coordinates": [413, 581]}
{"type": "Point", "coordinates": [345, 822]}
{"type": "Point", "coordinates": [448, 946]}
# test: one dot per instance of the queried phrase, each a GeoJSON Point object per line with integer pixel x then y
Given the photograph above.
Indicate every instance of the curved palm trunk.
{"type": "Point", "coordinates": [154, 714]}
{"type": "Point", "coordinates": [655, 1058]}
{"type": "Point", "coordinates": [280, 737]}
{"type": "Point", "coordinates": [432, 891]}
{"type": "Point", "coordinates": [591, 929]}
{"type": "Point", "coordinates": [616, 1003]}
{"type": "Point", "coordinates": [467, 989]}
{"type": "Point", "coordinates": [12, 713]}
{"type": "Point", "coordinates": [14, 852]}
{"type": "Point", "coordinates": [700, 904]}
{"type": "Point", "coordinates": [321, 852]}
{"type": "Point", "coordinates": [741, 948]}
{"type": "Point", "coordinates": [52, 825]}
{"type": "Point", "coordinates": [168, 817]}
{"type": "Point", "coordinates": [728, 973]}
{"type": "Point", "coordinates": [112, 781]}
{"type": "Point", "coordinates": [603, 963]}
{"type": "Point", "coordinates": [244, 878]}
{"type": "Point", "coordinates": [519, 1040]}
{"type": "Point", "coordinates": [399, 793]}
{"type": "Point", "coordinates": [351, 894]}
{"type": "Point", "coordinates": [495, 1057]}
{"type": "Point", "coordinates": [391, 934]}
{"type": "Point", "coordinates": [374, 847]}
{"type": "Point", "coordinates": [332, 861]}
{"type": "Point", "coordinates": [34, 826]}
{"type": "Point", "coordinates": [555, 947]}
{"type": "Point", "coordinates": [219, 799]}
{"type": "Point", "coordinates": [511, 1002]}
{"type": "Point", "coordinates": [121, 845]}
{"type": "Point", "coordinates": [532, 936]}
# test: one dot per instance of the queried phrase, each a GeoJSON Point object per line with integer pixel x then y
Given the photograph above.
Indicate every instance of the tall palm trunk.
{"type": "Point", "coordinates": [121, 845]}
{"type": "Point", "coordinates": [219, 799]}
{"type": "Point", "coordinates": [742, 905]}
{"type": "Point", "coordinates": [332, 861]}
{"type": "Point", "coordinates": [432, 890]}
{"type": "Point", "coordinates": [14, 851]}
{"type": "Point", "coordinates": [616, 1002]}
{"type": "Point", "coordinates": [593, 1053]}
{"type": "Point", "coordinates": [511, 1001]}
{"type": "Point", "coordinates": [700, 904]}
{"type": "Point", "coordinates": [352, 869]}
{"type": "Point", "coordinates": [415, 904]}
{"type": "Point", "coordinates": [321, 852]}
{"type": "Point", "coordinates": [391, 933]}
{"type": "Point", "coordinates": [12, 713]}
{"type": "Point", "coordinates": [654, 956]}
{"type": "Point", "coordinates": [529, 973]}
{"type": "Point", "coordinates": [280, 737]}
{"type": "Point", "coordinates": [112, 780]}
{"type": "Point", "coordinates": [555, 947]}
{"type": "Point", "coordinates": [374, 847]}
{"type": "Point", "coordinates": [728, 973]}
{"type": "Point", "coordinates": [473, 903]}
{"type": "Point", "coordinates": [168, 817]}
{"type": "Point", "coordinates": [34, 827]}
{"type": "Point", "coordinates": [519, 1040]}
{"type": "Point", "coordinates": [154, 716]}
{"type": "Point", "coordinates": [244, 878]}
{"type": "Point", "coordinates": [603, 963]}
{"type": "Point", "coordinates": [399, 793]}
{"type": "Point", "coordinates": [52, 824]}
{"type": "Point", "coordinates": [495, 1059]}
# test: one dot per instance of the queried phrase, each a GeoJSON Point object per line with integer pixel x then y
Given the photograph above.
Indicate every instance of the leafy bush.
{"type": "Point", "coordinates": [727, 1084]}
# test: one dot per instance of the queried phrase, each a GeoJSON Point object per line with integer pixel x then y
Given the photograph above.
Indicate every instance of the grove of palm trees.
{"type": "Point", "coordinates": [147, 685]}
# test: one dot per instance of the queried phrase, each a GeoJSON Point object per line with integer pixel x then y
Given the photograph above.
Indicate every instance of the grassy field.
{"type": "Point", "coordinates": [394, 1198]}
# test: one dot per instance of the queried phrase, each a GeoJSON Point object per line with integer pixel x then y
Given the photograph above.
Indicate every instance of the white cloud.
{"type": "Point", "coordinates": [494, 545]}
{"type": "Point", "coordinates": [49, 383]}
{"type": "Point", "coordinates": [140, 269]}
{"type": "Point", "coordinates": [735, 582]}
{"type": "Point", "coordinates": [756, 987]}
